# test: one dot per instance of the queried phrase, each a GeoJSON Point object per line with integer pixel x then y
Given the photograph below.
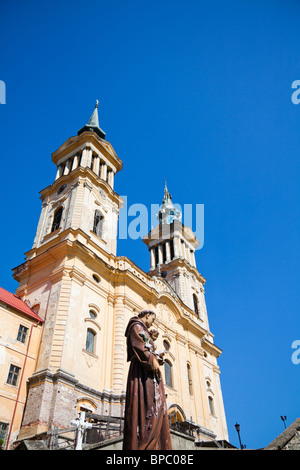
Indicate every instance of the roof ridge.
{"type": "Point", "coordinates": [15, 301]}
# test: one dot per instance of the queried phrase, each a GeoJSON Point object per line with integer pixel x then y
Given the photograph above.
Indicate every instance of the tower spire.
{"type": "Point", "coordinates": [93, 124]}
{"type": "Point", "coordinates": [167, 196]}
{"type": "Point", "coordinates": [168, 212]}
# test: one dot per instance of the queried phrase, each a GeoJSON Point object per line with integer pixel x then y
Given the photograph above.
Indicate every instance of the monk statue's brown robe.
{"type": "Point", "coordinates": [146, 425]}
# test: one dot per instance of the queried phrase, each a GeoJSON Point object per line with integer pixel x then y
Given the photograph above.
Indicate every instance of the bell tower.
{"type": "Point", "coordinates": [67, 273]}
{"type": "Point", "coordinates": [81, 202]}
{"type": "Point", "coordinates": [172, 248]}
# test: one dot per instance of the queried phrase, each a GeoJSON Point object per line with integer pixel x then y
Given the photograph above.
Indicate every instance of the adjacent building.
{"type": "Point", "coordinates": [20, 335]}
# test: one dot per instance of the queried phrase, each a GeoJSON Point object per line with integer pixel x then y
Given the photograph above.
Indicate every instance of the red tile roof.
{"type": "Point", "coordinates": [16, 302]}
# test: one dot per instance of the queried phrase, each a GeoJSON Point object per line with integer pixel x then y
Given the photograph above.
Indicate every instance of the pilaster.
{"type": "Point", "coordinates": [118, 353]}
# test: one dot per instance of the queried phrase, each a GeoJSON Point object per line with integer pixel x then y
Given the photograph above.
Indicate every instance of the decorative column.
{"type": "Point", "coordinates": [84, 158]}
{"type": "Point", "coordinates": [176, 242]}
{"type": "Point", "coordinates": [168, 252]}
{"type": "Point", "coordinates": [180, 247]}
{"type": "Point", "coordinates": [96, 165]}
{"type": "Point", "coordinates": [160, 255]}
{"type": "Point", "coordinates": [58, 172]}
{"type": "Point", "coordinates": [119, 346]}
{"type": "Point", "coordinates": [67, 167]}
{"type": "Point", "coordinates": [103, 171]}
{"type": "Point", "coordinates": [89, 158]}
{"type": "Point", "coordinates": [152, 259]}
{"type": "Point", "coordinates": [75, 162]}
{"type": "Point", "coordinates": [193, 258]}
{"type": "Point", "coordinates": [111, 178]}
{"type": "Point", "coordinates": [187, 253]}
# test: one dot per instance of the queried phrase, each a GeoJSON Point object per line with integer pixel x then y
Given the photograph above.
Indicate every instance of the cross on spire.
{"type": "Point", "coordinates": [168, 212]}
{"type": "Point", "coordinates": [93, 124]}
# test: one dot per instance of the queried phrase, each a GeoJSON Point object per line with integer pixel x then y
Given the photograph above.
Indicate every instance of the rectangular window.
{"type": "Point", "coordinates": [168, 374]}
{"type": "Point", "coordinates": [22, 334]}
{"type": "Point", "coordinates": [57, 219]}
{"type": "Point", "coordinates": [98, 224]}
{"type": "Point", "coordinates": [13, 375]}
{"type": "Point", "coordinates": [90, 341]}
{"type": "Point", "coordinates": [3, 434]}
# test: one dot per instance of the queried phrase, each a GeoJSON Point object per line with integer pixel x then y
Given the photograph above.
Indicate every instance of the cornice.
{"type": "Point", "coordinates": [179, 263]}
{"type": "Point", "coordinates": [211, 347]}
{"type": "Point", "coordinates": [79, 142]}
{"type": "Point", "coordinates": [122, 271]}
{"type": "Point", "coordinates": [77, 177]}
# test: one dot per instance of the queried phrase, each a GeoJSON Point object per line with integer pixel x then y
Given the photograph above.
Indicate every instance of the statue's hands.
{"type": "Point", "coordinates": [155, 366]}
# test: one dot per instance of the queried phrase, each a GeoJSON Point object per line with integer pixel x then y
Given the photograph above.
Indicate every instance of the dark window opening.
{"type": "Point", "coordinates": [168, 374]}
{"type": "Point", "coordinates": [98, 224]}
{"type": "Point", "coordinates": [57, 219]}
{"type": "Point", "coordinates": [156, 255]}
{"type": "Point", "coordinates": [172, 248]}
{"type": "Point", "coordinates": [189, 376]}
{"type": "Point", "coordinates": [196, 307]}
{"type": "Point", "coordinates": [22, 333]}
{"type": "Point", "coordinates": [164, 252]}
{"type": "Point", "coordinates": [90, 341]}
{"type": "Point", "coordinates": [13, 375]}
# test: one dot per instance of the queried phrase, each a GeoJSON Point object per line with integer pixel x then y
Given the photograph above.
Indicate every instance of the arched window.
{"type": "Point", "coordinates": [176, 414]}
{"type": "Point", "coordinates": [36, 308]}
{"type": "Point", "coordinates": [90, 341]}
{"type": "Point", "coordinates": [57, 219]}
{"type": "Point", "coordinates": [168, 374]}
{"type": "Point", "coordinates": [196, 306]}
{"type": "Point", "coordinates": [98, 224]}
{"type": "Point", "coordinates": [189, 377]}
{"type": "Point", "coordinates": [211, 406]}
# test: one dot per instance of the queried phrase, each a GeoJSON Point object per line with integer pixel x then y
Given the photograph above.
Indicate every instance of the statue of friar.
{"type": "Point", "coordinates": [146, 423]}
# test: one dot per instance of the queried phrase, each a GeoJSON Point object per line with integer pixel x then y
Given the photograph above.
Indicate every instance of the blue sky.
{"type": "Point", "coordinates": [197, 93]}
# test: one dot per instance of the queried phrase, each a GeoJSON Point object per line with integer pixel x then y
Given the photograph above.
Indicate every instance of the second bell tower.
{"type": "Point", "coordinates": [172, 248]}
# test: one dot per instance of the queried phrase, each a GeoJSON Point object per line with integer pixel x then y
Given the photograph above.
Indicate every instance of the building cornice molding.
{"type": "Point", "coordinates": [80, 176]}
{"type": "Point", "coordinates": [127, 273]}
{"type": "Point", "coordinates": [79, 142]}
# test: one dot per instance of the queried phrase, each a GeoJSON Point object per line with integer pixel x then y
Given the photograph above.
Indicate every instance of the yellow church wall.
{"type": "Point", "coordinates": [119, 294]}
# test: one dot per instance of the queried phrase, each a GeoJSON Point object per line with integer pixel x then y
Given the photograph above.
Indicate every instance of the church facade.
{"type": "Point", "coordinates": [85, 295]}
